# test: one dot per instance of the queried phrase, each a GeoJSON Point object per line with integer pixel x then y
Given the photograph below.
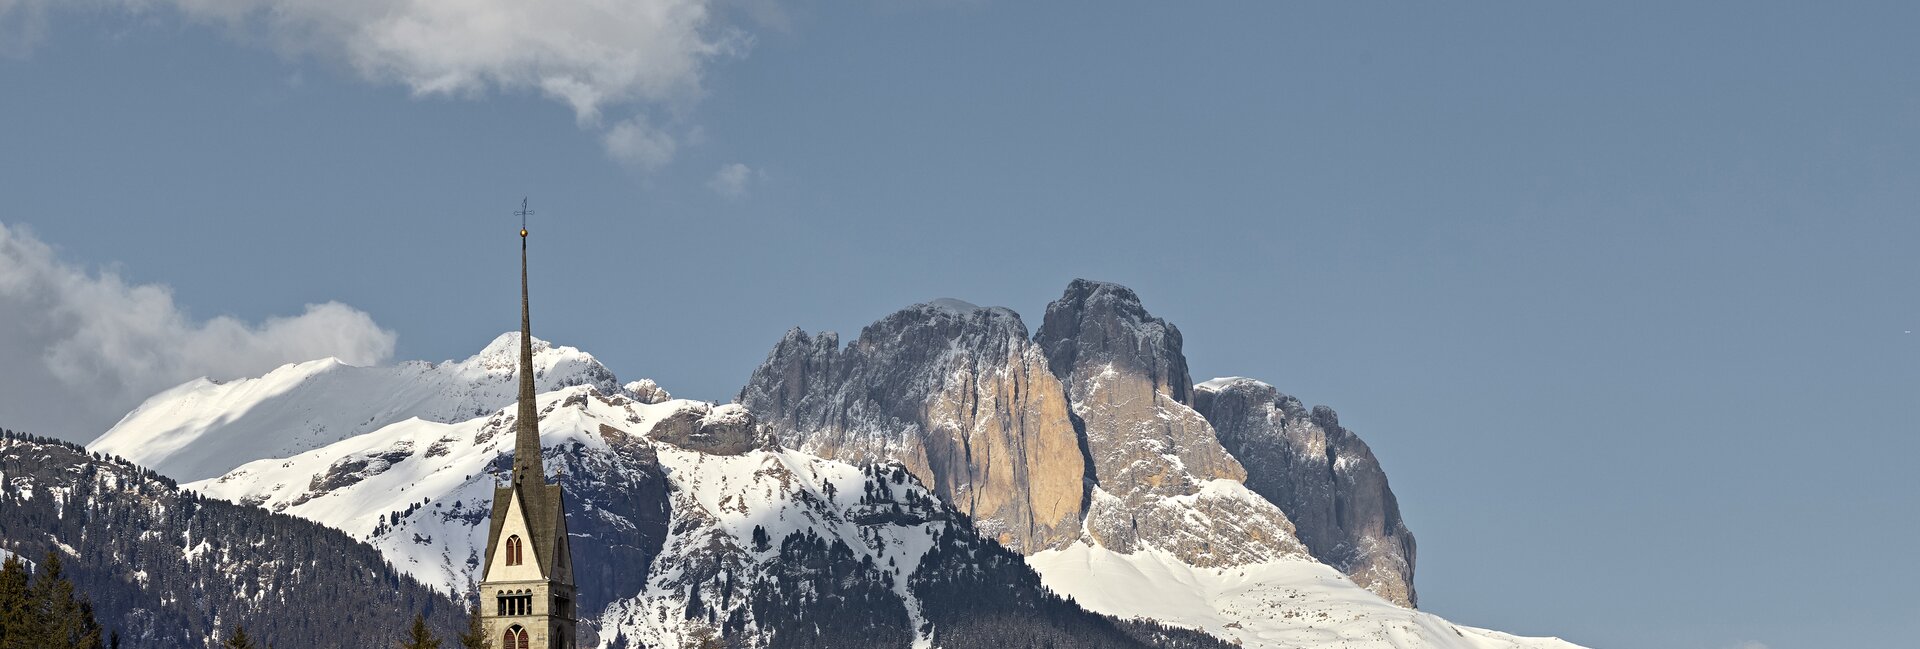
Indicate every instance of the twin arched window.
{"type": "Point", "coordinates": [516, 638]}
{"type": "Point", "coordinates": [513, 550]}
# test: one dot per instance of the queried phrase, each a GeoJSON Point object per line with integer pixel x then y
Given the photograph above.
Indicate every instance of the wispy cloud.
{"type": "Point", "coordinates": [637, 143]}
{"type": "Point", "coordinates": [591, 55]}
{"type": "Point", "coordinates": [731, 180]}
{"type": "Point", "coordinates": [82, 347]}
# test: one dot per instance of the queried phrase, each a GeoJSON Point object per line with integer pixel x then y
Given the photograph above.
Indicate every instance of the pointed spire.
{"type": "Point", "coordinates": [526, 429]}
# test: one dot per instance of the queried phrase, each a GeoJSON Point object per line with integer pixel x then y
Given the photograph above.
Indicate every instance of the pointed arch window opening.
{"type": "Point", "coordinates": [513, 550]}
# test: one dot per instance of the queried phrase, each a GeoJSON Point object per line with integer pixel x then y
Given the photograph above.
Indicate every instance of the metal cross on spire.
{"type": "Point", "coordinates": [523, 214]}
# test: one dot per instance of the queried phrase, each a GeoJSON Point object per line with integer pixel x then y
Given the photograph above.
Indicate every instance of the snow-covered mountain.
{"type": "Point", "coordinates": [688, 523]}
{"type": "Point", "coordinates": [204, 428]}
{"type": "Point", "coordinates": [873, 501]}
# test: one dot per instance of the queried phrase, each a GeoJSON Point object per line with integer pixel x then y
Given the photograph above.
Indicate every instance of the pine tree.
{"type": "Point", "coordinates": [475, 637]}
{"type": "Point", "coordinates": [239, 640]}
{"type": "Point", "coordinates": [419, 637]}
{"type": "Point", "coordinates": [760, 540]}
{"type": "Point", "coordinates": [19, 622]}
{"type": "Point", "coordinates": [66, 620]}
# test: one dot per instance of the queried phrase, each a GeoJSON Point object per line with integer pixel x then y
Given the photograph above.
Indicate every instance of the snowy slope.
{"type": "Point", "coordinates": [421, 491]}
{"type": "Point", "coordinates": [720, 500]}
{"type": "Point", "coordinates": [1274, 604]}
{"type": "Point", "coordinates": [203, 428]}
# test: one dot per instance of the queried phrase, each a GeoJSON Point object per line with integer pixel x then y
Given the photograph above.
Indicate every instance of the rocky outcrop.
{"type": "Point", "coordinates": [1163, 478]}
{"type": "Point", "coordinates": [952, 391]}
{"type": "Point", "coordinates": [721, 430]}
{"type": "Point", "coordinates": [1322, 475]}
{"type": "Point", "coordinates": [647, 391]}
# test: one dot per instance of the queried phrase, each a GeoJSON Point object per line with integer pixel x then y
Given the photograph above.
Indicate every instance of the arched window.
{"type": "Point", "coordinates": [513, 550]}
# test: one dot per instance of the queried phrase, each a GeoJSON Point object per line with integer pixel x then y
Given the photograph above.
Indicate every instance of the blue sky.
{"type": "Point", "coordinates": [1621, 295]}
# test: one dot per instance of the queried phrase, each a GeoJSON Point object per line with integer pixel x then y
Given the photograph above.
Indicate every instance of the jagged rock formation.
{"type": "Point", "coordinates": [647, 391]}
{"type": "Point", "coordinates": [1077, 435]}
{"type": "Point", "coordinates": [1155, 459]}
{"type": "Point", "coordinates": [952, 391]}
{"type": "Point", "coordinates": [1322, 475]}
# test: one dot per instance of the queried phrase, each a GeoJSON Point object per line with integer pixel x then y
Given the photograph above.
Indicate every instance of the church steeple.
{"type": "Point", "coordinates": [526, 579]}
{"type": "Point", "coordinates": [526, 429]}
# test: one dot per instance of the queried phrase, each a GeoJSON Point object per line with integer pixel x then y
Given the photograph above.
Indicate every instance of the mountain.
{"type": "Point", "coordinates": [203, 428]}
{"type": "Point", "coordinates": [1325, 478]}
{"type": "Point", "coordinates": [421, 491]}
{"type": "Point", "coordinates": [166, 567]}
{"type": "Point", "coordinates": [954, 392]}
{"type": "Point", "coordinates": [689, 522]}
{"type": "Point", "coordinates": [946, 479]}
{"type": "Point", "coordinates": [1181, 522]}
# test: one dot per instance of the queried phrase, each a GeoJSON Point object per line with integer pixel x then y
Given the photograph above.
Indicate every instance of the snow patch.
{"type": "Point", "coordinates": [1224, 382]}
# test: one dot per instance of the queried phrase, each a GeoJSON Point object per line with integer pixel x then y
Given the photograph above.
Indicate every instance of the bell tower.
{"type": "Point", "coordinates": [526, 582]}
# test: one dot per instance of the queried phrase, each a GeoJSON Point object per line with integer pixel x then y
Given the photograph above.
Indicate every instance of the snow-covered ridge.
{"type": "Point", "coordinates": [203, 428]}
{"type": "Point", "coordinates": [1222, 383]}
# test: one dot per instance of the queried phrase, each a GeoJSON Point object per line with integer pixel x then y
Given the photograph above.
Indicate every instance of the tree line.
{"type": "Point", "coordinates": [417, 636]}
{"type": "Point", "coordinates": [40, 609]}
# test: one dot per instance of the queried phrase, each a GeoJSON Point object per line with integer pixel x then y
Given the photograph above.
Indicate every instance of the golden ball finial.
{"type": "Point", "coordinates": [523, 233]}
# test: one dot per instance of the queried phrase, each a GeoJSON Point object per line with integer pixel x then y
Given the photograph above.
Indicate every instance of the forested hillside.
{"type": "Point", "coordinates": [164, 567]}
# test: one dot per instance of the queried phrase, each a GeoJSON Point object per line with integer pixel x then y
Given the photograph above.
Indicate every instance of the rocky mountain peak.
{"type": "Point", "coordinates": [1322, 475]}
{"type": "Point", "coordinates": [952, 391]}
{"type": "Point", "coordinates": [1158, 467]}
{"type": "Point", "coordinates": [1076, 435]}
{"type": "Point", "coordinates": [1101, 323]}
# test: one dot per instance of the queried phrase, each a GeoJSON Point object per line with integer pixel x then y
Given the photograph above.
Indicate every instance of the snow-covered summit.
{"type": "Point", "coordinates": [203, 428]}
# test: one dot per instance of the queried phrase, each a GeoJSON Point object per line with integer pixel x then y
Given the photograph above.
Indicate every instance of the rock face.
{"type": "Point", "coordinates": [1079, 435]}
{"type": "Point", "coordinates": [1163, 478]}
{"type": "Point", "coordinates": [1322, 475]}
{"type": "Point", "coordinates": [720, 430]}
{"type": "Point", "coordinates": [952, 391]}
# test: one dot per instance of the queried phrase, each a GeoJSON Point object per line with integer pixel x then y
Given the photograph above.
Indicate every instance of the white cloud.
{"type": "Point", "coordinates": [731, 180]}
{"type": "Point", "coordinates": [637, 143]}
{"type": "Point", "coordinates": [81, 348]}
{"type": "Point", "coordinates": [587, 54]}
